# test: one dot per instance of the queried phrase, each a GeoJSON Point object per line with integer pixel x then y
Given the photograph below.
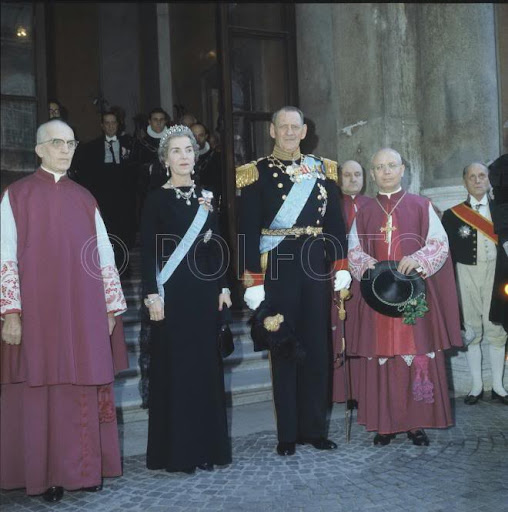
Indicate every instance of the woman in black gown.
{"type": "Point", "coordinates": [187, 426]}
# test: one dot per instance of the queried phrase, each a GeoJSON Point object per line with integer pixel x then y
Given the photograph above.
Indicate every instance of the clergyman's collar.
{"type": "Point", "coordinates": [390, 194]}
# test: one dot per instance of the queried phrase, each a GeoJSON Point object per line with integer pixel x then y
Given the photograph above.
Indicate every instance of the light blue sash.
{"type": "Point", "coordinates": [182, 249]}
{"type": "Point", "coordinates": [290, 209]}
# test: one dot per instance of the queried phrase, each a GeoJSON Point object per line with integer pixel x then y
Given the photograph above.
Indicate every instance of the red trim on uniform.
{"type": "Point", "coordinates": [252, 279]}
{"type": "Point", "coordinates": [340, 265]}
{"type": "Point", "coordinates": [475, 220]}
{"type": "Point", "coordinates": [10, 311]}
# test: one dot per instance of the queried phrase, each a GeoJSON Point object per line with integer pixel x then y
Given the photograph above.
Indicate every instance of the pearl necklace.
{"type": "Point", "coordinates": [180, 194]}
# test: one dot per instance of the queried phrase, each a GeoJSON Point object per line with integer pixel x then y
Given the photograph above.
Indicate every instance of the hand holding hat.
{"type": "Point", "coordinates": [393, 293]}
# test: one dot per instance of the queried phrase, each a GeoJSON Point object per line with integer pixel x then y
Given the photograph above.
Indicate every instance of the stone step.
{"type": "Point", "coordinates": [246, 373]}
{"type": "Point", "coordinates": [132, 331]}
{"type": "Point", "coordinates": [242, 357]}
{"type": "Point", "coordinates": [133, 315]}
{"type": "Point", "coordinates": [242, 387]}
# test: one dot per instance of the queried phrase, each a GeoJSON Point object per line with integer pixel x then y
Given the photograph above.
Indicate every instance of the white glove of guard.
{"type": "Point", "coordinates": [342, 280]}
{"type": "Point", "coordinates": [254, 296]}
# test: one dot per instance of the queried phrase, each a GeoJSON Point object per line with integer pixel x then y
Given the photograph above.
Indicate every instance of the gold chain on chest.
{"type": "Point", "coordinates": [275, 162]}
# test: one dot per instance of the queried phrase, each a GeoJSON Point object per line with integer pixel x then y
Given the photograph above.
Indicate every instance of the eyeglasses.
{"type": "Point", "coordinates": [60, 143]}
{"type": "Point", "coordinates": [381, 167]}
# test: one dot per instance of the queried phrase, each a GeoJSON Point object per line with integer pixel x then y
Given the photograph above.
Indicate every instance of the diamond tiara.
{"type": "Point", "coordinates": [176, 130]}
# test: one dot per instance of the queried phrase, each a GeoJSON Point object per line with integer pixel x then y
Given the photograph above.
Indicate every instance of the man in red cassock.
{"type": "Point", "coordinates": [402, 377]}
{"type": "Point", "coordinates": [351, 180]}
{"type": "Point", "coordinates": [60, 347]}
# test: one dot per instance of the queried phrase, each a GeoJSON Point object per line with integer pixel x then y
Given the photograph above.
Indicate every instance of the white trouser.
{"type": "Point", "coordinates": [475, 283]}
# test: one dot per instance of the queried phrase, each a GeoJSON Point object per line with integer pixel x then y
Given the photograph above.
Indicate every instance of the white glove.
{"type": "Point", "coordinates": [254, 296]}
{"type": "Point", "coordinates": [342, 280]}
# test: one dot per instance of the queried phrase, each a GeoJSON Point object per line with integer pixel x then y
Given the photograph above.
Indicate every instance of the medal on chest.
{"type": "Point", "coordinates": [296, 172]}
{"type": "Point", "coordinates": [464, 231]}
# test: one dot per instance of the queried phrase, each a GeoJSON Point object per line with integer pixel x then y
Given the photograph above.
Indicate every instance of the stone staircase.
{"type": "Point", "coordinates": [246, 373]}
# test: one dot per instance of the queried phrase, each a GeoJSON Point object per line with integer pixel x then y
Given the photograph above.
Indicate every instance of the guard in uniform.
{"type": "Point", "coordinates": [473, 245]}
{"type": "Point", "coordinates": [292, 242]}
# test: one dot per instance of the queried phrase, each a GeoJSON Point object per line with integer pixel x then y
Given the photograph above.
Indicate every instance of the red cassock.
{"type": "Point", "coordinates": [350, 207]}
{"type": "Point", "coordinates": [402, 382]}
{"type": "Point", "coordinates": [58, 420]}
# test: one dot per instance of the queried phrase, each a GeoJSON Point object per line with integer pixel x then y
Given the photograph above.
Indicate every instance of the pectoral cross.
{"type": "Point", "coordinates": [387, 229]}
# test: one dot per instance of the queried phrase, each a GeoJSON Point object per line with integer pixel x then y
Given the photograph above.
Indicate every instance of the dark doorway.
{"type": "Point", "coordinates": [259, 75]}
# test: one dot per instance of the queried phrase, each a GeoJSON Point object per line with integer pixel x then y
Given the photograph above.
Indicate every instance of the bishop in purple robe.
{"type": "Point", "coordinates": [402, 378]}
{"type": "Point", "coordinates": [62, 339]}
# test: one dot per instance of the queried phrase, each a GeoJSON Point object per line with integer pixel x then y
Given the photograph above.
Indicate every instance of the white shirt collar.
{"type": "Point", "coordinates": [57, 175]}
{"type": "Point", "coordinates": [389, 194]}
{"type": "Point", "coordinates": [109, 139]}
{"type": "Point", "coordinates": [205, 149]}
{"type": "Point", "coordinates": [156, 135]}
{"type": "Point", "coordinates": [483, 201]}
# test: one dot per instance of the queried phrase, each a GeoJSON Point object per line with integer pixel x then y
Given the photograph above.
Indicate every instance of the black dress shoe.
{"type": "Point", "coordinates": [383, 439]}
{"type": "Point", "coordinates": [501, 398]}
{"type": "Point", "coordinates": [94, 488]}
{"type": "Point", "coordinates": [472, 399]}
{"type": "Point", "coordinates": [53, 494]}
{"type": "Point", "coordinates": [286, 449]}
{"type": "Point", "coordinates": [206, 466]}
{"type": "Point", "coordinates": [419, 438]}
{"type": "Point", "coordinates": [352, 404]}
{"type": "Point", "coordinates": [320, 443]}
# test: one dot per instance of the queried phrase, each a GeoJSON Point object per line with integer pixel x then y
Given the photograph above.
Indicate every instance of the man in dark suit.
{"type": "Point", "coordinates": [104, 167]}
{"type": "Point", "coordinates": [498, 176]}
{"type": "Point", "coordinates": [208, 167]}
{"type": "Point", "coordinates": [474, 247]}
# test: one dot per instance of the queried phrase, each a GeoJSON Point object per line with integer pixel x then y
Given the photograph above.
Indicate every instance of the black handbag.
{"type": "Point", "coordinates": [225, 342]}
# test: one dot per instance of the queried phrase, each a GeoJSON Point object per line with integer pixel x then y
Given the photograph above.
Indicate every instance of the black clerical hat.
{"type": "Point", "coordinates": [391, 293]}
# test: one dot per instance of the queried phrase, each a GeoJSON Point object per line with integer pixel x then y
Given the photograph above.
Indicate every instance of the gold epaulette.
{"type": "Point", "coordinates": [246, 174]}
{"type": "Point", "coordinates": [331, 169]}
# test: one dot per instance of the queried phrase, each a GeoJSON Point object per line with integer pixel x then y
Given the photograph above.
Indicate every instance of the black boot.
{"type": "Point", "coordinates": [94, 488]}
{"type": "Point", "coordinates": [383, 439]}
{"type": "Point", "coordinates": [53, 494]}
{"type": "Point", "coordinates": [206, 466]}
{"type": "Point", "coordinates": [286, 449]}
{"type": "Point", "coordinates": [501, 398]}
{"type": "Point", "coordinates": [419, 437]}
{"type": "Point", "coordinates": [319, 443]}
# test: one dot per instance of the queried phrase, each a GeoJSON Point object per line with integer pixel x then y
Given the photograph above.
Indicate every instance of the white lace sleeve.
{"type": "Point", "coordinates": [433, 254]}
{"type": "Point", "coordinates": [115, 300]}
{"type": "Point", "coordinates": [358, 260]}
{"type": "Point", "coordinates": [10, 297]}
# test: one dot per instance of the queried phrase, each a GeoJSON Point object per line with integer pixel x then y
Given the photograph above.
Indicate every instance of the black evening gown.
{"type": "Point", "coordinates": [187, 423]}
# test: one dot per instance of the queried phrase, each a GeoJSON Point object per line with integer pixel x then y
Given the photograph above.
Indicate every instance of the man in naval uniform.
{"type": "Point", "coordinates": [292, 242]}
{"type": "Point", "coordinates": [473, 245]}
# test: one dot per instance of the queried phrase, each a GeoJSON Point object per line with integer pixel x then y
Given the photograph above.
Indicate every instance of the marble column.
{"type": "Point", "coordinates": [458, 115]}
{"type": "Point", "coordinates": [119, 51]}
{"type": "Point", "coordinates": [358, 77]}
{"type": "Point", "coordinates": [419, 78]}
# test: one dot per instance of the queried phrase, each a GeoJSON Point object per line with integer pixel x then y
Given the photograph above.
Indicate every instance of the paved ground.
{"type": "Point", "coordinates": [464, 469]}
